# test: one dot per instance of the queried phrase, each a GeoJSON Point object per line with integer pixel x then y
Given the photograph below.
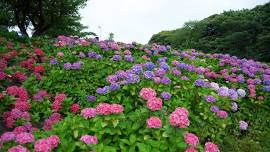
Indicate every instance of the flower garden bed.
{"type": "Point", "coordinates": [87, 95]}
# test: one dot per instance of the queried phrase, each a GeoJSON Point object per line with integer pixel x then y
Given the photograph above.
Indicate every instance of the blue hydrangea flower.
{"type": "Point", "coordinates": [149, 66]}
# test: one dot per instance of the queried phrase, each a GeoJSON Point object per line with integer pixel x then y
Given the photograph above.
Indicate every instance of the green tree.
{"type": "Point", "coordinates": [46, 17]}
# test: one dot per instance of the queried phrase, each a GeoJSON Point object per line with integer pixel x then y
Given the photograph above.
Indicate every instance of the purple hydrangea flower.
{"type": "Point", "coordinates": [129, 58]}
{"type": "Point", "coordinates": [76, 65]}
{"type": "Point", "coordinates": [176, 72]}
{"type": "Point", "coordinates": [114, 86]}
{"type": "Point", "coordinates": [116, 58]}
{"type": "Point", "coordinates": [149, 66]}
{"type": "Point", "coordinates": [214, 109]}
{"type": "Point", "coordinates": [112, 78]}
{"type": "Point", "coordinates": [91, 98]}
{"type": "Point", "coordinates": [148, 74]}
{"type": "Point", "coordinates": [92, 54]}
{"type": "Point", "coordinates": [200, 83]}
{"type": "Point", "coordinates": [165, 66]}
{"type": "Point", "coordinates": [210, 98]}
{"type": "Point", "coordinates": [165, 95]}
{"type": "Point", "coordinates": [223, 91]}
{"type": "Point", "coordinates": [98, 56]}
{"type": "Point", "coordinates": [163, 59]}
{"type": "Point", "coordinates": [133, 78]}
{"type": "Point", "coordinates": [160, 72]}
{"type": "Point", "coordinates": [234, 106]}
{"type": "Point", "coordinates": [165, 80]}
{"type": "Point", "coordinates": [53, 62]}
{"type": "Point", "coordinates": [137, 69]}
{"type": "Point", "coordinates": [185, 78]}
{"type": "Point", "coordinates": [103, 90]}
{"type": "Point", "coordinates": [67, 66]}
{"type": "Point", "coordinates": [243, 125]}
{"type": "Point", "coordinates": [266, 88]}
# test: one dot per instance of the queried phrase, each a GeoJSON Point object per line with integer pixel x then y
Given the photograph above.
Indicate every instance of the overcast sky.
{"type": "Point", "coordinates": [138, 20]}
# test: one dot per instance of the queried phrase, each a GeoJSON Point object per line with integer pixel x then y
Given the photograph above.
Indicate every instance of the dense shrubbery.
{"type": "Point", "coordinates": [78, 95]}
{"type": "Point", "coordinates": [243, 33]}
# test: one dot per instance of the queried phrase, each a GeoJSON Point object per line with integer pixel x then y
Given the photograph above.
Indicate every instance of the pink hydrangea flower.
{"type": "Point", "coordinates": [53, 141]}
{"type": "Point", "coordinates": [24, 138]}
{"type": "Point", "coordinates": [117, 108]}
{"type": "Point", "coordinates": [191, 149]}
{"type": "Point", "coordinates": [154, 104]}
{"type": "Point", "coordinates": [7, 136]}
{"type": "Point", "coordinates": [87, 139]}
{"type": "Point", "coordinates": [60, 97]}
{"type": "Point", "coordinates": [60, 54]}
{"type": "Point", "coordinates": [211, 147]}
{"type": "Point", "coordinates": [154, 122]}
{"type": "Point", "coordinates": [179, 118]}
{"type": "Point", "coordinates": [103, 109]}
{"type": "Point", "coordinates": [88, 113]}
{"type": "Point", "coordinates": [147, 93]}
{"type": "Point", "coordinates": [18, 148]}
{"type": "Point", "coordinates": [222, 114]}
{"type": "Point", "coordinates": [191, 139]}
{"type": "Point", "coordinates": [42, 145]}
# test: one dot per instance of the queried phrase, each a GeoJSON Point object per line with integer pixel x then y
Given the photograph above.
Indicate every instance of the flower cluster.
{"type": "Point", "coordinates": [154, 122]}
{"type": "Point", "coordinates": [53, 119]}
{"type": "Point", "coordinates": [102, 109]}
{"type": "Point", "coordinates": [87, 139]}
{"type": "Point", "coordinates": [179, 118]}
{"type": "Point", "coordinates": [47, 144]}
{"type": "Point", "coordinates": [59, 98]}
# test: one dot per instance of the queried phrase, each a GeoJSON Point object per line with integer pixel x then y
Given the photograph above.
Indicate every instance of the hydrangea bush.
{"type": "Point", "coordinates": [75, 94]}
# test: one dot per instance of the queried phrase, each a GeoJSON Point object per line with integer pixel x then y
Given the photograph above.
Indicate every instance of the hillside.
{"type": "Point", "coordinates": [73, 94]}
{"type": "Point", "coordinates": [244, 33]}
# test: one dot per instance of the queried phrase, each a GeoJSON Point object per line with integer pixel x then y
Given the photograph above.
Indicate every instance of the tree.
{"type": "Point", "coordinates": [46, 17]}
{"type": "Point", "coordinates": [244, 33]}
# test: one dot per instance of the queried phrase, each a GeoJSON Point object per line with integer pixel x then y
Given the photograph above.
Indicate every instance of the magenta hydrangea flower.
{"type": "Point", "coordinates": [191, 149]}
{"type": "Point", "coordinates": [210, 98]}
{"type": "Point", "coordinates": [53, 141]}
{"type": "Point", "coordinates": [24, 138]}
{"type": "Point", "coordinates": [7, 136]}
{"type": "Point", "coordinates": [222, 114]}
{"type": "Point", "coordinates": [191, 139]}
{"type": "Point", "coordinates": [87, 139]}
{"type": "Point", "coordinates": [154, 122]}
{"type": "Point", "coordinates": [88, 113]}
{"type": "Point", "coordinates": [18, 148]}
{"type": "Point", "coordinates": [147, 93]}
{"type": "Point", "coordinates": [154, 104]}
{"type": "Point", "coordinates": [42, 145]}
{"type": "Point", "coordinates": [211, 147]}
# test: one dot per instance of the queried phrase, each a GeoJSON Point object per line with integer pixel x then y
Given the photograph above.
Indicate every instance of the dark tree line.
{"type": "Point", "coordinates": [44, 17]}
{"type": "Point", "coordinates": [244, 33]}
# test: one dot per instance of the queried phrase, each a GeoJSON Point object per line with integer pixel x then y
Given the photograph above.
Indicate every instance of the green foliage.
{"type": "Point", "coordinates": [48, 17]}
{"type": "Point", "coordinates": [244, 33]}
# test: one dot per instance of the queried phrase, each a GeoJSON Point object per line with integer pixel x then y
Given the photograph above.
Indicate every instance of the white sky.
{"type": "Point", "coordinates": [138, 20]}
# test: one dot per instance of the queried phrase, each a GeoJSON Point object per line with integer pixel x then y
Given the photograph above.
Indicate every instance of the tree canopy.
{"type": "Point", "coordinates": [43, 17]}
{"type": "Point", "coordinates": [245, 33]}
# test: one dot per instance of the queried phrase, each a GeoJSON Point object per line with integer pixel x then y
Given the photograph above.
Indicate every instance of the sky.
{"type": "Point", "coordinates": [138, 20]}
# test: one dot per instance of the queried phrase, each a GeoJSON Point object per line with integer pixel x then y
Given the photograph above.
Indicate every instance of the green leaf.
{"type": "Point", "coordinates": [132, 138]}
